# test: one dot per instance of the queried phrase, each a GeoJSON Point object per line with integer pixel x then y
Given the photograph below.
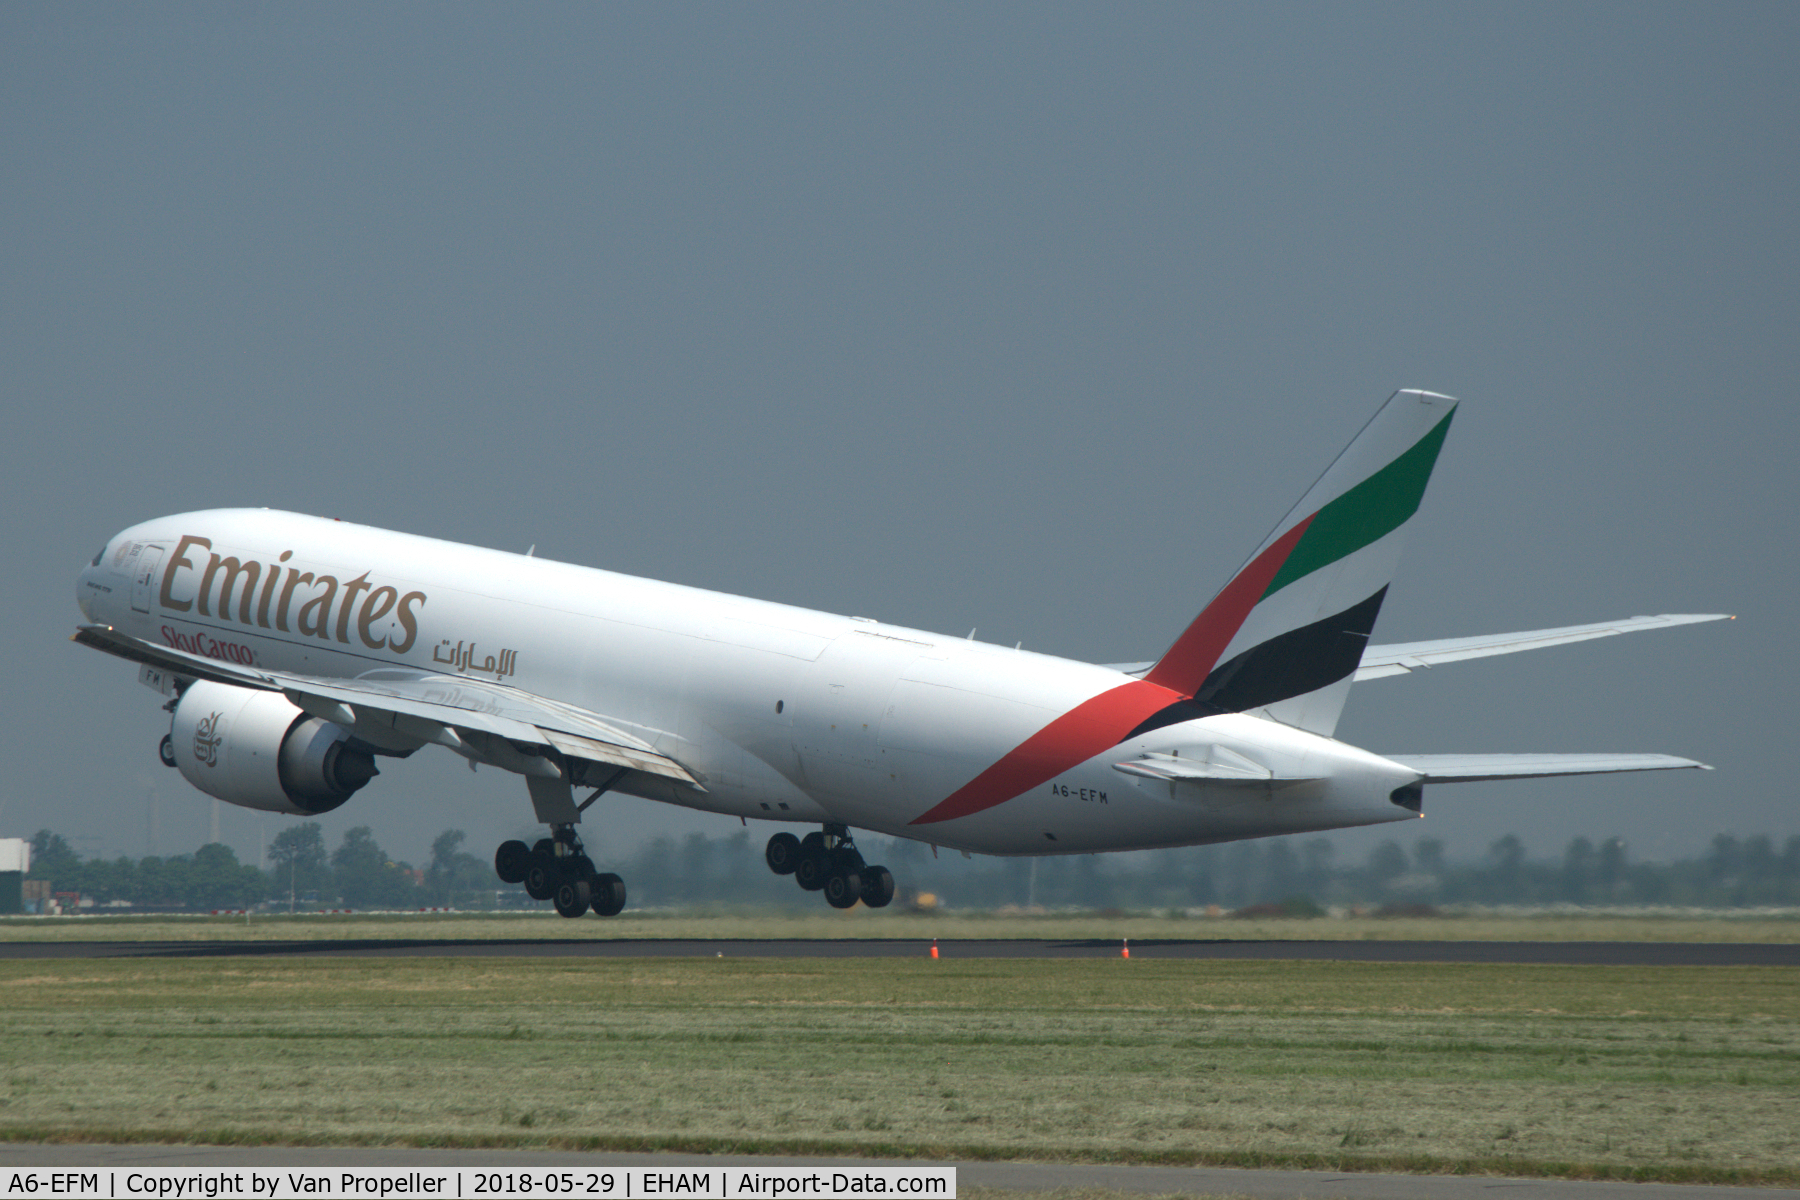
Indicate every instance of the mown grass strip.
{"type": "Point", "coordinates": [1684, 1074]}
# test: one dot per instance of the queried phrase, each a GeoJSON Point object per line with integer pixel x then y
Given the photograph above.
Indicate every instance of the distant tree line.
{"type": "Point", "coordinates": [358, 874]}
{"type": "Point", "coordinates": [211, 877]}
{"type": "Point", "coordinates": [1301, 874]}
{"type": "Point", "coordinates": [1732, 872]}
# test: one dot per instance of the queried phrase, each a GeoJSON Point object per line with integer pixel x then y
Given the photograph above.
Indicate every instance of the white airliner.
{"type": "Point", "coordinates": [296, 651]}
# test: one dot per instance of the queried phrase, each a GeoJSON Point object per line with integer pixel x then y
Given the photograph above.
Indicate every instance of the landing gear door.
{"type": "Point", "coordinates": [143, 574]}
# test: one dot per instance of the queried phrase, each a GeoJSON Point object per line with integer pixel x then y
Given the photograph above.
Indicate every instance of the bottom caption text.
{"type": "Point", "coordinates": [456, 1183]}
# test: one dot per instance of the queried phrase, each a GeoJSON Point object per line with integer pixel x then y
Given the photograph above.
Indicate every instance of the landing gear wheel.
{"type": "Point", "coordinates": [877, 886]}
{"type": "Point", "coordinates": [811, 870]}
{"type": "Point", "coordinates": [783, 853]}
{"type": "Point", "coordinates": [511, 861]}
{"type": "Point", "coordinates": [542, 876]}
{"type": "Point", "coordinates": [830, 862]}
{"type": "Point", "coordinates": [608, 892]}
{"type": "Point", "coordinates": [843, 889]}
{"type": "Point", "coordinates": [573, 897]}
{"type": "Point", "coordinates": [165, 750]}
{"type": "Point", "coordinates": [559, 870]}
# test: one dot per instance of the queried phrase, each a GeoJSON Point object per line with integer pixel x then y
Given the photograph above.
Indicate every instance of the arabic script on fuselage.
{"type": "Point", "coordinates": [461, 658]}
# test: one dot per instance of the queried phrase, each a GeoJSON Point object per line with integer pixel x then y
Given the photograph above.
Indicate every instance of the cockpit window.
{"type": "Point", "coordinates": [98, 557]}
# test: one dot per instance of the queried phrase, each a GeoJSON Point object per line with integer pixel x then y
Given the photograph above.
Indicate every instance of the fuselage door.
{"type": "Point", "coordinates": [143, 574]}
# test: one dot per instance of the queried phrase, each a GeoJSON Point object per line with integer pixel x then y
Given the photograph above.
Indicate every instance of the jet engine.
{"type": "Point", "coordinates": [255, 749]}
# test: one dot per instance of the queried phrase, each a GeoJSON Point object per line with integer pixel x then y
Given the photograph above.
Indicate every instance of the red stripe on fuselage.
{"type": "Point", "coordinates": [1068, 741]}
{"type": "Point", "coordinates": [1103, 722]}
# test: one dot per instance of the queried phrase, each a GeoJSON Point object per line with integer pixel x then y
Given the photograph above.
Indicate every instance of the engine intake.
{"type": "Point", "coordinates": [255, 749]}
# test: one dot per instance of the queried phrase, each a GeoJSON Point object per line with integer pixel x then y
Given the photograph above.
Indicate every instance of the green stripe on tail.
{"type": "Point", "coordinates": [1367, 512]}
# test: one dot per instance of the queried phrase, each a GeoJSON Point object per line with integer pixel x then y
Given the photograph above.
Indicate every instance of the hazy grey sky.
{"type": "Point", "coordinates": [1029, 317]}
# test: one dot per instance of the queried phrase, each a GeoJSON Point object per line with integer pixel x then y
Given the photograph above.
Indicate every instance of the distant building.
{"type": "Point", "coordinates": [15, 860]}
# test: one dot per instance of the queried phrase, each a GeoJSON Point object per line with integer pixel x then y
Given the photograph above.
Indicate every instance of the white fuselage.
{"type": "Point", "coordinates": [781, 712]}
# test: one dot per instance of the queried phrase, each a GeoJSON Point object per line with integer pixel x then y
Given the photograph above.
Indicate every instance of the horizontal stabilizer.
{"type": "Point", "coordinates": [1473, 768]}
{"type": "Point", "coordinates": [1203, 764]}
{"type": "Point", "coordinates": [1379, 662]}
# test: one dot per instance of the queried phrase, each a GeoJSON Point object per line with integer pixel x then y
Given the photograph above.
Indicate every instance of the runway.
{"type": "Point", "coordinates": [1012, 1176]}
{"type": "Point", "coordinates": [1641, 954]}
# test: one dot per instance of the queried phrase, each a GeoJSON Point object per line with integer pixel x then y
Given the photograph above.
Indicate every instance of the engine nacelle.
{"type": "Point", "coordinates": [255, 749]}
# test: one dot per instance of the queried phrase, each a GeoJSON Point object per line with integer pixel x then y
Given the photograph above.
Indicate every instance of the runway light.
{"type": "Point", "coordinates": [1125, 950]}
{"type": "Point", "coordinates": [934, 947]}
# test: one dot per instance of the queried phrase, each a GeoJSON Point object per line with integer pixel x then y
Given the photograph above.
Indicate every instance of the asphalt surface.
{"type": "Point", "coordinates": [1642, 954]}
{"type": "Point", "coordinates": [1190, 1181]}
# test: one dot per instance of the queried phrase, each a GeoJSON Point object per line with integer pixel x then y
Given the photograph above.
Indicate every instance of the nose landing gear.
{"type": "Point", "coordinates": [558, 869]}
{"type": "Point", "coordinates": [829, 862]}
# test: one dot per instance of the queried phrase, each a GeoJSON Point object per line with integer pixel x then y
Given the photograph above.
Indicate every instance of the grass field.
{"type": "Point", "coordinates": [864, 923]}
{"type": "Point", "coordinates": [1671, 1074]}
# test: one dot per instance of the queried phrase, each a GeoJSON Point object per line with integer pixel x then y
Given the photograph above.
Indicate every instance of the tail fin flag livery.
{"type": "Point", "coordinates": [1286, 634]}
{"type": "Point", "coordinates": [295, 651]}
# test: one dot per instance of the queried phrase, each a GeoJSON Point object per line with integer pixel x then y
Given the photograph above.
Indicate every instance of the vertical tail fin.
{"type": "Point", "coordinates": [1284, 636]}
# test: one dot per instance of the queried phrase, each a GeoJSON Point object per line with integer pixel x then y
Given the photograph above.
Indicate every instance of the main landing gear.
{"type": "Point", "coordinates": [558, 869]}
{"type": "Point", "coordinates": [828, 862]}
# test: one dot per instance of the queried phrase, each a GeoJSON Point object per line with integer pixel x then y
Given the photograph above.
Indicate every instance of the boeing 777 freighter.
{"type": "Point", "coordinates": [296, 651]}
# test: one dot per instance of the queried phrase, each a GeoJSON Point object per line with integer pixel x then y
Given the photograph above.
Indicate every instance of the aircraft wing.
{"type": "Point", "coordinates": [1378, 662]}
{"type": "Point", "coordinates": [1402, 658]}
{"type": "Point", "coordinates": [425, 705]}
{"type": "Point", "coordinates": [1474, 768]}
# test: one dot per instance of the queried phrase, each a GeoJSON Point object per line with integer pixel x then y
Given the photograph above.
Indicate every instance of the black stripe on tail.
{"type": "Point", "coordinates": [1290, 664]}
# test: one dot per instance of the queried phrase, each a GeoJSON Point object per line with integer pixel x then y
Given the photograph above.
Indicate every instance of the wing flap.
{"type": "Point", "coordinates": [1474, 768]}
{"type": "Point", "coordinates": [618, 755]}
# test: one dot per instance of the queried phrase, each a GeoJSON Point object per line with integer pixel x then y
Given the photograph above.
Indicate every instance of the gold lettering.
{"type": "Point", "coordinates": [408, 622]}
{"type": "Point", "coordinates": [359, 584]}
{"type": "Point", "coordinates": [375, 607]}
{"type": "Point", "coordinates": [320, 607]}
{"type": "Point", "coordinates": [231, 569]}
{"type": "Point", "coordinates": [287, 596]}
{"type": "Point", "coordinates": [262, 606]}
{"type": "Point", "coordinates": [187, 542]}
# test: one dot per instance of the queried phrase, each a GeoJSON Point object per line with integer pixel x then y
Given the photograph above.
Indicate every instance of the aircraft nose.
{"type": "Point", "coordinates": [84, 593]}
{"type": "Point", "coordinates": [93, 584]}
